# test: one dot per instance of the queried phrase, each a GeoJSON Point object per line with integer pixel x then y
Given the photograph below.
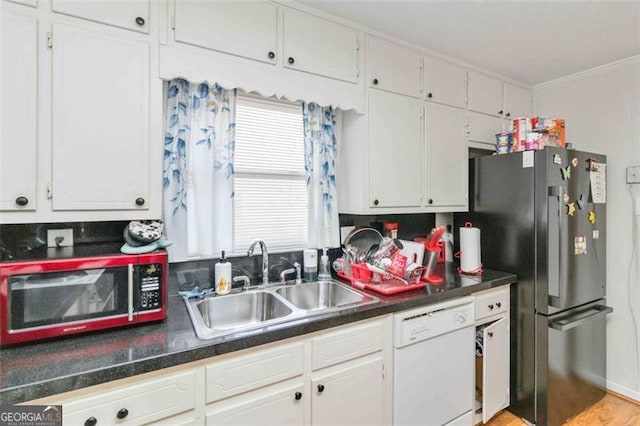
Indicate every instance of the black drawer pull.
{"type": "Point", "coordinates": [298, 396]}
{"type": "Point", "coordinates": [140, 20]}
{"type": "Point", "coordinates": [22, 201]}
{"type": "Point", "coordinates": [291, 60]}
{"type": "Point", "coordinates": [140, 201]}
{"type": "Point", "coordinates": [91, 421]}
{"type": "Point", "coordinates": [122, 413]}
{"type": "Point", "coordinates": [320, 388]}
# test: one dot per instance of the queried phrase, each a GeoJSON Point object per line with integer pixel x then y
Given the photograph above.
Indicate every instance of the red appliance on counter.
{"type": "Point", "coordinates": [47, 298]}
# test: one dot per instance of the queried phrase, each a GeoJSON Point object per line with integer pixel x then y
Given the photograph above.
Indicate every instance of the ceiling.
{"type": "Point", "coordinates": [529, 41]}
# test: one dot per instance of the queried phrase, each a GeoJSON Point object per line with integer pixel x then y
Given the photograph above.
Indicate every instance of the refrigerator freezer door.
{"type": "Point", "coordinates": [576, 360]}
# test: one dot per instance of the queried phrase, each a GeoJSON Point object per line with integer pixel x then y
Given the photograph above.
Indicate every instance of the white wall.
{"type": "Point", "coordinates": [602, 112]}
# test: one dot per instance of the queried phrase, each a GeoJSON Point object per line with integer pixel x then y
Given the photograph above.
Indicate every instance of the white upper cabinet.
{"type": "Point", "coordinates": [393, 68]}
{"type": "Point", "coordinates": [446, 157]}
{"type": "Point", "coordinates": [129, 14]}
{"type": "Point", "coordinates": [445, 83]}
{"type": "Point", "coordinates": [100, 123]}
{"type": "Point", "coordinates": [489, 95]}
{"type": "Point", "coordinates": [483, 128]}
{"type": "Point", "coordinates": [19, 106]}
{"type": "Point", "coordinates": [395, 166]}
{"type": "Point", "coordinates": [318, 46]}
{"type": "Point", "coordinates": [485, 94]}
{"type": "Point", "coordinates": [239, 28]}
{"type": "Point", "coordinates": [517, 101]}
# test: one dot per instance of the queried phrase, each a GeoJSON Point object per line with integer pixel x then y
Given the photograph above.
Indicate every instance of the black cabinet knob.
{"type": "Point", "coordinates": [298, 396]}
{"type": "Point", "coordinates": [490, 334]}
{"type": "Point", "coordinates": [22, 201]}
{"type": "Point", "coordinates": [91, 421]}
{"type": "Point", "coordinates": [508, 114]}
{"type": "Point", "coordinates": [490, 307]}
{"type": "Point", "coordinates": [430, 201]}
{"type": "Point", "coordinates": [376, 202]}
{"type": "Point", "coordinates": [122, 413]}
{"type": "Point", "coordinates": [500, 112]}
{"type": "Point", "coordinates": [375, 81]}
{"type": "Point", "coordinates": [140, 20]}
{"type": "Point", "coordinates": [429, 95]}
{"type": "Point", "coordinates": [291, 60]}
{"type": "Point", "coordinates": [272, 55]}
{"type": "Point", "coordinates": [499, 304]}
{"type": "Point", "coordinates": [320, 388]}
{"type": "Point", "coordinates": [140, 201]}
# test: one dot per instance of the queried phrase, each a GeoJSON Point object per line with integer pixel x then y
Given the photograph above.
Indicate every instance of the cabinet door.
{"type": "Point", "coordinates": [495, 376]}
{"type": "Point", "coordinates": [19, 106]}
{"type": "Point", "coordinates": [483, 128]}
{"type": "Point", "coordinates": [394, 68]}
{"type": "Point", "coordinates": [318, 46]}
{"type": "Point", "coordinates": [349, 396]}
{"type": "Point", "coordinates": [239, 28]}
{"type": "Point", "coordinates": [275, 405]}
{"type": "Point", "coordinates": [517, 101]}
{"type": "Point", "coordinates": [100, 123]}
{"type": "Point", "coordinates": [395, 164]}
{"type": "Point", "coordinates": [446, 147]}
{"type": "Point", "coordinates": [485, 94]}
{"type": "Point", "coordinates": [129, 14]}
{"type": "Point", "coordinates": [445, 82]}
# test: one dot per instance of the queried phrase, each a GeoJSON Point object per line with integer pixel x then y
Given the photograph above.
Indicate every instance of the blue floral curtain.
{"type": "Point", "coordinates": [198, 168]}
{"type": "Point", "coordinates": [320, 149]}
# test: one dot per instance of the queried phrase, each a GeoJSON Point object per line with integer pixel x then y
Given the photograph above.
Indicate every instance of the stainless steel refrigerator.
{"type": "Point", "coordinates": [542, 215]}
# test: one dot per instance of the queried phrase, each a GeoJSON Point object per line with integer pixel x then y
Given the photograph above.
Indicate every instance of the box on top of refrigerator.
{"type": "Point", "coordinates": [552, 129]}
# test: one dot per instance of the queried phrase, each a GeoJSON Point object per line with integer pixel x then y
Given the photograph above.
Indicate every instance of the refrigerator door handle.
{"type": "Point", "coordinates": [554, 223]}
{"type": "Point", "coordinates": [576, 320]}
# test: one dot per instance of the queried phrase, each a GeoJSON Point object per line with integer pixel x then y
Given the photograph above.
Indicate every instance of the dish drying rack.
{"type": "Point", "coordinates": [380, 281]}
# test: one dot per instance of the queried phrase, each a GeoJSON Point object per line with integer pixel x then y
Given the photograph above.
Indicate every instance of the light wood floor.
{"type": "Point", "coordinates": [610, 411]}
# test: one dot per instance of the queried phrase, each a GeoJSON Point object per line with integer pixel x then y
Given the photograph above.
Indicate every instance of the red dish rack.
{"type": "Point", "coordinates": [384, 283]}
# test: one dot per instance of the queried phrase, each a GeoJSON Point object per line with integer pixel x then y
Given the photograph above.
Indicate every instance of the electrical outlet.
{"type": "Point", "coordinates": [633, 174]}
{"type": "Point", "coordinates": [59, 237]}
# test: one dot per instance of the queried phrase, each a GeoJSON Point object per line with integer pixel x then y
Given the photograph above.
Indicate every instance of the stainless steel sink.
{"type": "Point", "coordinates": [241, 310]}
{"type": "Point", "coordinates": [320, 295]}
{"type": "Point", "coordinates": [270, 305]}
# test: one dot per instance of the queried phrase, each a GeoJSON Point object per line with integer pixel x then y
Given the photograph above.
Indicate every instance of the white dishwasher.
{"type": "Point", "coordinates": [433, 361]}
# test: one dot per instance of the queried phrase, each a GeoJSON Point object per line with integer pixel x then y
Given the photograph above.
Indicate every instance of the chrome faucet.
{"type": "Point", "coordinates": [265, 258]}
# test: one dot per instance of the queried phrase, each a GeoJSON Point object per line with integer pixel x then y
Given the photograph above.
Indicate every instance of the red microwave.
{"type": "Point", "coordinates": [57, 297]}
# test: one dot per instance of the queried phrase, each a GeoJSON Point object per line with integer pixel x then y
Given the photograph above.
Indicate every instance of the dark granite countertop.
{"type": "Point", "coordinates": [46, 368]}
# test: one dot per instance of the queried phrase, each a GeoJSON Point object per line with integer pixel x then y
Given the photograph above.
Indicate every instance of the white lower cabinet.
{"type": "Point", "coordinates": [273, 405]}
{"type": "Point", "coordinates": [352, 394]}
{"type": "Point", "coordinates": [492, 369]}
{"type": "Point", "coordinates": [163, 399]}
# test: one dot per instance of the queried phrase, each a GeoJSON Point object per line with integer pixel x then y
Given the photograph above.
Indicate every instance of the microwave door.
{"type": "Point", "coordinates": [45, 299]}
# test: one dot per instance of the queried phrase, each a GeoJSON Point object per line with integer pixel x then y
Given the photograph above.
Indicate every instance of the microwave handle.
{"type": "Point", "coordinates": [130, 293]}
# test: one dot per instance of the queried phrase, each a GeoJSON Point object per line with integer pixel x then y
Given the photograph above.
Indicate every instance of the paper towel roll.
{"type": "Point", "coordinates": [470, 249]}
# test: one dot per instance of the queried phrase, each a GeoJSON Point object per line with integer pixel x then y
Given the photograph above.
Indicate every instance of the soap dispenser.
{"type": "Point", "coordinates": [324, 274]}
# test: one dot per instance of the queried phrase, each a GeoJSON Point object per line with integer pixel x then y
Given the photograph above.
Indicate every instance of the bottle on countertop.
{"type": "Point", "coordinates": [310, 261]}
{"type": "Point", "coordinates": [447, 239]}
{"type": "Point", "coordinates": [223, 275]}
{"type": "Point", "coordinates": [324, 274]}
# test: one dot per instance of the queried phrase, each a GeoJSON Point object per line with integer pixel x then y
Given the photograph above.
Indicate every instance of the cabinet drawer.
{"type": "Point", "coordinates": [343, 345]}
{"type": "Point", "coordinates": [144, 403]}
{"type": "Point", "coordinates": [492, 302]}
{"type": "Point", "coordinates": [251, 371]}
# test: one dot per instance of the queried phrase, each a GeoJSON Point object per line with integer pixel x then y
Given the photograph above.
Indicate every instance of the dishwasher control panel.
{"type": "Point", "coordinates": [432, 320]}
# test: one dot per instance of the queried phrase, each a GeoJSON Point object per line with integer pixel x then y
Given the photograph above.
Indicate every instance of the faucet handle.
{"type": "Point", "coordinates": [245, 279]}
{"type": "Point", "coordinates": [298, 275]}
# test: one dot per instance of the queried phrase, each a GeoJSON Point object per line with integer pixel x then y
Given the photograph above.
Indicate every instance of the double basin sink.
{"type": "Point", "coordinates": [270, 305]}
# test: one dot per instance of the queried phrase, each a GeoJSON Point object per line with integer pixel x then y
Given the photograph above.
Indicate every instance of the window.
{"type": "Point", "coordinates": [270, 193]}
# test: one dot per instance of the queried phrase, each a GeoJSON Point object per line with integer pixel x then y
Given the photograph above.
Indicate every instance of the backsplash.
{"type": "Point", "coordinates": [29, 241]}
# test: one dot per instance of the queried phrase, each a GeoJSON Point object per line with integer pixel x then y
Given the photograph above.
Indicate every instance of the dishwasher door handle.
{"type": "Point", "coordinates": [568, 323]}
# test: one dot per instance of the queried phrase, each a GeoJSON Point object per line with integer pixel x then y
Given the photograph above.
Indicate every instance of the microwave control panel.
{"type": "Point", "coordinates": [150, 286]}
